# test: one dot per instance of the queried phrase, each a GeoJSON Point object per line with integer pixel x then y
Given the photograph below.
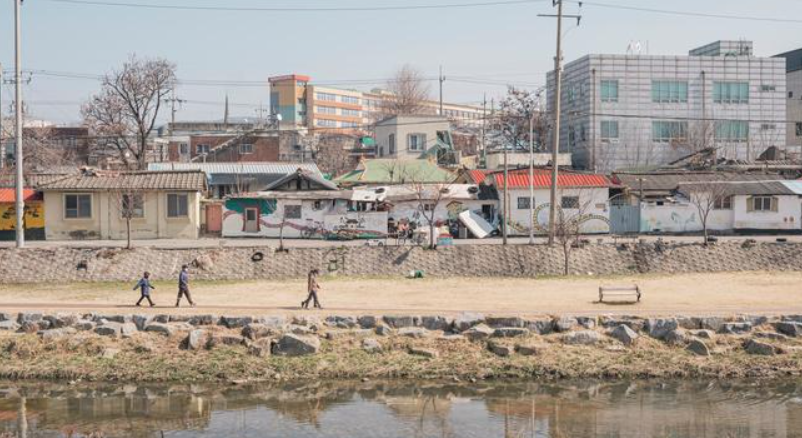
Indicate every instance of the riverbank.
{"type": "Point", "coordinates": [205, 348]}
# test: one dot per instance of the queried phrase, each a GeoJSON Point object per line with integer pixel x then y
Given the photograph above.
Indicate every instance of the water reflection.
{"type": "Point", "coordinates": [406, 409]}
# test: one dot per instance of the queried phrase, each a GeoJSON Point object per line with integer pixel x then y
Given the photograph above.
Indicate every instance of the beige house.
{"type": "Point", "coordinates": [409, 137]}
{"type": "Point", "coordinates": [95, 205]}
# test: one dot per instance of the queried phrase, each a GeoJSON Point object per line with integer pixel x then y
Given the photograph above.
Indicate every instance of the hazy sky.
{"type": "Point", "coordinates": [480, 48]}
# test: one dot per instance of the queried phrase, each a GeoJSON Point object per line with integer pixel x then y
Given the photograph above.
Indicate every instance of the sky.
{"type": "Point", "coordinates": [481, 49]}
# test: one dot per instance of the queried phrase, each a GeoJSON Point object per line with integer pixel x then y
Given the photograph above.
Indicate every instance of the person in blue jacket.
{"type": "Point", "coordinates": [183, 286]}
{"type": "Point", "coordinates": [144, 287]}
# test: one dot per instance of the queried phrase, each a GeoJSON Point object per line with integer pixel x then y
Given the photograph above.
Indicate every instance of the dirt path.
{"type": "Point", "coordinates": [729, 293]}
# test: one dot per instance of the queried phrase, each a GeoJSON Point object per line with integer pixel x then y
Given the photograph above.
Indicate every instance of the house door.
{"type": "Point", "coordinates": [624, 219]}
{"type": "Point", "coordinates": [251, 220]}
{"type": "Point", "coordinates": [214, 218]}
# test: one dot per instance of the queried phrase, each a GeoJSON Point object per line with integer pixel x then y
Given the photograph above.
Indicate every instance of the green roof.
{"type": "Point", "coordinates": [383, 171]}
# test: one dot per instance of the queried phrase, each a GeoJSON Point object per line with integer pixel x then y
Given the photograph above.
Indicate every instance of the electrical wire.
{"type": "Point", "coordinates": [685, 13]}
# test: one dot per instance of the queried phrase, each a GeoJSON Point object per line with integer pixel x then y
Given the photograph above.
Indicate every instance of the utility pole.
{"type": "Point", "coordinates": [506, 199]}
{"type": "Point", "coordinates": [442, 79]}
{"type": "Point", "coordinates": [2, 145]}
{"type": "Point", "coordinates": [532, 177]}
{"type": "Point", "coordinates": [483, 156]}
{"type": "Point", "coordinates": [557, 99]}
{"type": "Point", "coordinates": [173, 100]}
{"type": "Point", "coordinates": [20, 181]}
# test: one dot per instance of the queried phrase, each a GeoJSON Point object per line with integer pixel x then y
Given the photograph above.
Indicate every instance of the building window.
{"type": "Point", "coordinates": [668, 131]}
{"type": "Point", "coordinates": [732, 130]}
{"type": "Point", "coordinates": [523, 203]}
{"type": "Point", "coordinates": [78, 206]}
{"type": "Point", "coordinates": [320, 109]}
{"type": "Point", "coordinates": [569, 202]}
{"type": "Point", "coordinates": [766, 87]}
{"type": "Point", "coordinates": [798, 129]}
{"type": "Point", "coordinates": [609, 91]}
{"type": "Point", "coordinates": [349, 124]}
{"type": "Point", "coordinates": [328, 97]}
{"type": "Point", "coordinates": [762, 203]}
{"type": "Point", "coordinates": [350, 112]}
{"type": "Point", "coordinates": [292, 212]}
{"type": "Point", "coordinates": [183, 148]}
{"type": "Point", "coordinates": [731, 92]}
{"type": "Point", "coordinates": [416, 142]}
{"type": "Point", "coordinates": [177, 205]}
{"type": "Point", "coordinates": [246, 148]}
{"type": "Point", "coordinates": [669, 91]}
{"type": "Point", "coordinates": [349, 99]}
{"type": "Point", "coordinates": [609, 130]}
{"type": "Point", "coordinates": [391, 144]}
{"type": "Point", "coordinates": [723, 203]}
{"type": "Point", "coordinates": [202, 149]}
{"type": "Point", "coordinates": [133, 206]}
{"type": "Point", "coordinates": [326, 123]}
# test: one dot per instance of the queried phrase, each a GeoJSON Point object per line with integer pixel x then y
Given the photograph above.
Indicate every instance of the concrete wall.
{"type": "Point", "coordinates": [76, 264]}
{"type": "Point", "coordinates": [593, 200]}
{"type": "Point", "coordinates": [107, 223]}
{"type": "Point", "coordinates": [787, 217]}
{"type": "Point", "coordinates": [331, 220]}
{"type": "Point", "coordinates": [402, 127]}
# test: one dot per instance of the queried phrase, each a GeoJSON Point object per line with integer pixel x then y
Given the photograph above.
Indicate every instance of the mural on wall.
{"type": "Point", "coordinates": [321, 220]}
{"type": "Point", "coordinates": [670, 218]}
{"type": "Point", "coordinates": [34, 220]}
{"type": "Point", "coordinates": [541, 215]}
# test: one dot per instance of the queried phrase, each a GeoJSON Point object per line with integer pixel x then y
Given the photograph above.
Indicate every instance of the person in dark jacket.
{"type": "Point", "coordinates": [183, 286]}
{"type": "Point", "coordinates": [312, 287]}
{"type": "Point", "coordinates": [144, 287]}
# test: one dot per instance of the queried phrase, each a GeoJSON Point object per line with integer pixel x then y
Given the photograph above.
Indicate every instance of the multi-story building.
{"type": "Point", "coordinates": [303, 104]}
{"type": "Point", "coordinates": [793, 82]}
{"type": "Point", "coordinates": [633, 110]}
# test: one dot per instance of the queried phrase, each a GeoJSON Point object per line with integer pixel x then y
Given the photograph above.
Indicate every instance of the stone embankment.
{"type": "Point", "coordinates": [76, 264]}
{"type": "Point", "coordinates": [246, 348]}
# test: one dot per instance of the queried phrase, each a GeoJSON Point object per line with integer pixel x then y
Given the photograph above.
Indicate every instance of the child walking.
{"type": "Point", "coordinates": [144, 287]}
{"type": "Point", "coordinates": [312, 287]}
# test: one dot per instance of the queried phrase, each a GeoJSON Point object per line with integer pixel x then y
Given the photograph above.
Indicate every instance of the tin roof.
{"type": "Point", "coordinates": [666, 182]}
{"type": "Point", "coordinates": [7, 196]}
{"type": "Point", "coordinates": [740, 188]}
{"type": "Point", "coordinates": [238, 168]}
{"type": "Point", "coordinates": [540, 180]}
{"type": "Point", "coordinates": [103, 180]}
{"type": "Point", "coordinates": [303, 175]}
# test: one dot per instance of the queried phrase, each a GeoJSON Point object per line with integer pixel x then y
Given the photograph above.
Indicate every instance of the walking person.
{"type": "Point", "coordinates": [312, 287]}
{"type": "Point", "coordinates": [183, 286]}
{"type": "Point", "coordinates": [144, 287]}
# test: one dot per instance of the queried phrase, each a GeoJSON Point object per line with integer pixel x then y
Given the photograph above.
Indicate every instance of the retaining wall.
{"type": "Point", "coordinates": [77, 264]}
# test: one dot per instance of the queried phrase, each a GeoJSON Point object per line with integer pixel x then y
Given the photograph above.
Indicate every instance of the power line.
{"type": "Point", "coordinates": [293, 9]}
{"type": "Point", "coordinates": [686, 13]}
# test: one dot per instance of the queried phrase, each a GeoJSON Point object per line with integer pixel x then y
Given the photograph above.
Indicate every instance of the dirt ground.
{"type": "Point", "coordinates": [723, 293]}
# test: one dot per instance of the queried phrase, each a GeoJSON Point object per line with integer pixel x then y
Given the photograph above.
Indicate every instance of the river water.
{"type": "Point", "coordinates": [406, 409]}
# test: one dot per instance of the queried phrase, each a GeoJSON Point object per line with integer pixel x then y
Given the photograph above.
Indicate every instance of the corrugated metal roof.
{"type": "Point", "coordinates": [8, 196]}
{"type": "Point", "coordinates": [100, 180]}
{"type": "Point", "coordinates": [794, 186]}
{"type": "Point", "coordinates": [520, 179]}
{"type": "Point", "coordinates": [306, 195]}
{"type": "Point", "coordinates": [735, 188]}
{"type": "Point", "coordinates": [667, 182]}
{"type": "Point", "coordinates": [238, 168]}
{"type": "Point", "coordinates": [302, 174]}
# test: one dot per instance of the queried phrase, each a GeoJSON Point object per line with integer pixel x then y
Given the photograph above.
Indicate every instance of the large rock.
{"type": "Point", "coordinates": [676, 337]}
{"type": "Point", "coordinates": [128, 329]}
{"type": "Point", "coordinates": [8, 325]}
{"type": "Point", "coordinates": [582, 337]}
{"type": "Point", "coordinates": [698, 348]}
{"type": "Point", "coordinates": [111, 329]}
{"type": "Point", "coordinates": [464, 321]}
{"type": "Point", "coordinates": [260, 348]}
{"type": "Point", "coordinates": [735, 328]}
{"type": "Point", "coordinates": [624, 333]}
{"type": "Point", "coordinates": [371, 345]}
{"type": "Point", "coordinates": [367, 321]}
{"type": "Point", "coordinates": [197, 320]}
{"type": "Point", "coordinates": [4, 316]}
{"type": "Point", "coordinates": [587, 322]}
{"type": "Point", "coordinates": [658, 328]}
{"type": "Point", "coordinates": [224, 339]}
{"type": "Point", "coordinates": [789, 328]}
{"type": "Point", "coordinates": [61, 320]}
{"type": "Point", "coordinates": [500, 349]}
{"type": "Point", "coordinates": [255, 331]}
{"type": "Point", "coordinates": [530, 350]}
{"type": "Point", "coordinates": [703, 334]}
{"type": "Point", "coordinates": [400, 321]}
{"type": "Point", "coordinates": [142, 321]}
{"type": "Point", "coordinates": [195, 340]}
{"type": "Point", "coordinates": [383, 330]}
{"type": "Point", "coordinates": [504, 321]}
{"type": "Point", "coordinates": [510, 332]}
{"type": "Point", "coordinates": [413, 332]}
{"type": "Point", "coordinates": [345, 322]}
{"type": "Point", "coordinates": [632, 322]}
{"type": "Point", "coordinates": [688, 323]}
{"type": "Point", "coordinates": [33, 317]}
{"type": "Point", "coordinates": [435, 323]}
{"type": "Point", "coordinates": [478, 332]}
{"type": "Point", "coordinates": [235, 321]}
{"type": "Point", "coordinates": [709, 322]}
{"type": "Point", "coordinates": [162, 329]}
{"type": "Point", "coordinates": [295, 345]}
{"type": "Point", "coordinates": [57, 333]}
{"type": "Point", "coordinates": [760, 348]}
{"type": "Point", "coordinates": [564, 323]}
{"type": "Point", "coordinates": [84, 325]}
{"type": "Point", "coordinates": [542, 326]}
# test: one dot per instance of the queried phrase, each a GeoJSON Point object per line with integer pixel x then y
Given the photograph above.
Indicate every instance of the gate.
{"type": "Point", "coordinates": [214, 219]}
{"type": "Point", "coordinates": [624, 219]}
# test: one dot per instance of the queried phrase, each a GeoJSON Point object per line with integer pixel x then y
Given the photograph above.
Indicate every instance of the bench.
{"type": "Point", "coordinates": [619, 291]}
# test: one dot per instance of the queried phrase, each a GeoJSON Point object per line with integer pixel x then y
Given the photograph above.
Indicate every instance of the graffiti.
{"type": "Point", "coordinates": [313, 230]}
{"type": "Point", "coordinates": [34, 216]}
{"type": "Point", "coordinates": [336, 259]}
{"type": "Point", "coordinates": [454, 208]}
{"type": "Point", "coordinates": [543, 227]}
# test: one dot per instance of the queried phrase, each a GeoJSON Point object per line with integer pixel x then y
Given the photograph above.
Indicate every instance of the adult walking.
{"type": "Point", "coordinates": [183, 286]}
{"type": "Point", "coordinates": [312, 287]}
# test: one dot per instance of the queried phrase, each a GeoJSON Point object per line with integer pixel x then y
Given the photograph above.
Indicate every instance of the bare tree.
{"type": "Point", "coordinates": [706, 197]}
{"type": "Point", "coordinates": [429, 198]}
{"type": "Point", "coordinates": [408, 93]}
{"type": "Point", "coordinates": [333, 155]}
{"type": "Point", "coordinates": [518, 110]}
{"type": "Point", "coordinates": [130, 204]}
{"type": "Point", "coordinates": [571, 214]}
{"type": "Point", "coordinates": [43, 147]}
{"type": "Point", "coordinates": [124, 113]}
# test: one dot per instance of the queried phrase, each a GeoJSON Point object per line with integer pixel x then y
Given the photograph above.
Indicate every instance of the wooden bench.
{"type": "Point", "coordinates": [619, 291]}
